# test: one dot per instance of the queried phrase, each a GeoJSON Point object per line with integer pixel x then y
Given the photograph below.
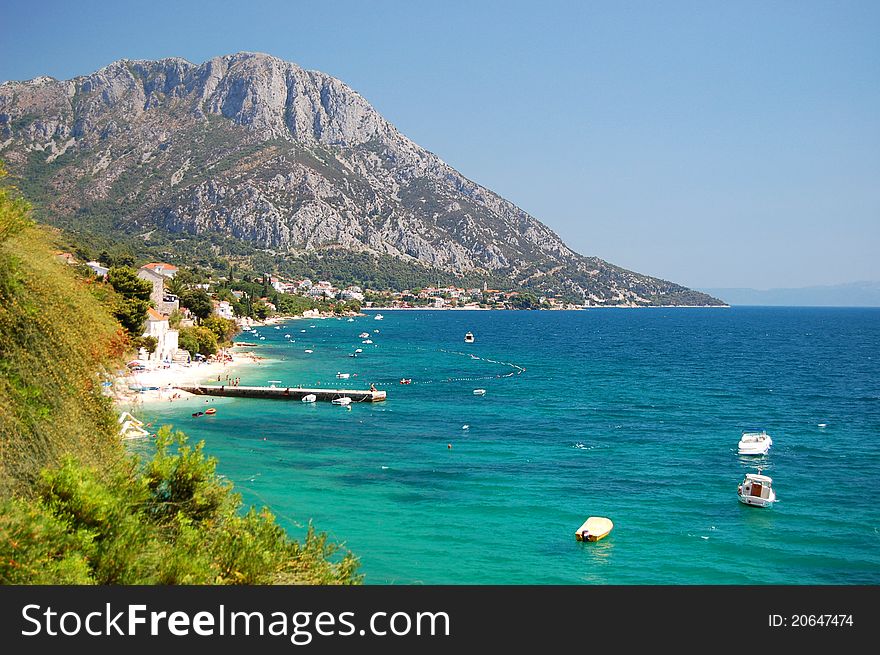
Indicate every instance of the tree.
{"type": "Point", "coordinates": [223, 328]}
{"type": "Point", "coordinates": [176, 286]}
{"type": "Point", "coordinates": [133, 299]}
{"type": "Point", "coordinates": [198, 340]}
{"type": "Point", "coordinates": [198, 302]}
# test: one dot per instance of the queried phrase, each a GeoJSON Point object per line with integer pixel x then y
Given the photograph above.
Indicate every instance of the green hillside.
{"type": "Point", "coordinates": [75, 508]}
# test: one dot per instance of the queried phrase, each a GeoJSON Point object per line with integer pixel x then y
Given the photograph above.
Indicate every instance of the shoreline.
{"type": "Point", "coordinates": [166, 378]}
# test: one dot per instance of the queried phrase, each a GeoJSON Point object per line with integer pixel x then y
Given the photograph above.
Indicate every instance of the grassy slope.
{"type": "Point", "coordinates": [74, 508]}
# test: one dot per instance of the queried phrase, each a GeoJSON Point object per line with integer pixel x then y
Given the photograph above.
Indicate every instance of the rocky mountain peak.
{"type": "Point", "coordinates": [253, 148]}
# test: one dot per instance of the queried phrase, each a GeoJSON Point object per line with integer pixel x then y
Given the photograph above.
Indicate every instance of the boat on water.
{"type": "Point", "coordinates": [754, 443]}
{"type": "Point", "coordinates": [287, 336]}
{"type": "Point", "coordinates": [378, 317]}
{"type": "Point", "coordinates": [594, 529]}
{"type": "Point", "coordinates": [376, 331]}
{"type": "Point", "coordinates": [351, 320]}
{"type": "Point", "coordinates": [358, 351]}
{"type": "Point", "coordinates": [197, 414]}
{"type": "Point", "coordinates": [345, 400]}
{"type": "Point", "coordinates": [469, 337]}
{"type": "Point", "coordinates": [142, 387]}
{"type": "Point", "coordinates": [479, 392]}
{"type": "Point", "coordinates": [756, 490]}
{"type": "Point", "coordinates": [308, 350]}
{"type": "Point", "coordinates": [211, 410]}
{"type": "Point", "coordinates": [343, 376]}
{"type": "Point", "coordinates": [405, 380]}
{"type": "Point", "coordinates": [364, 335]}
{"type": "Point", "coordinates": [367, 341]}
{"type": "Point", "coordinates": [130, 427]}
{"type": "Point", "coordinates": [309, 398]}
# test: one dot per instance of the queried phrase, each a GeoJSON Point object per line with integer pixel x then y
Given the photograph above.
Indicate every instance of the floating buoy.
{"type": "Point", "coordinates": [449, 446]}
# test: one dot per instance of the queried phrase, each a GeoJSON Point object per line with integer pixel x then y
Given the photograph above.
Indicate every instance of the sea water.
{"type": "Point", "coordinates": [633, 414]}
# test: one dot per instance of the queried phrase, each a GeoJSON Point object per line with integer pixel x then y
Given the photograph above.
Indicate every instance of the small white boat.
{"type": "Point", "coordinates": [309, 350]}
{"type": "Point", "coordinates": [310, 398]}
{"type": "Point", "coordinates": [469, 337]}
{"type": "Point", "coordinates": [287, 336]}
{"type": "Point", "coordinates": [367, 341]}
{"type": "Point", "coordinates": [311, 326]}
{"type": "Point", "coordinates": [343, 376]}
{"type": "Point", "coordinates": [364, 335]}
{"type": "Point", "coordinates": [594, 528]}
{"type": "Point", "coordinates": [351, 320]}
{"type": "Point", "coordinates": [376, 331]}
{"type": "Point", "coordinates": [302, 330]}
{"type": "Point", "coordinates": [754, 443]}
{"type": "Point", "coordinates": [358, 351]}
{"type": "Point", "coordinates": [345, 400]}
{"type": "Point", "coordinates": [378, 317]}
{"type": "Point", "coordinates": [262, 338]}
{"type": "Point", "coordinates": [277, 327]}
{"type": "Point", "coordinates": [479, 392]}
{"type": "Point", "coordinates": [756, 490]}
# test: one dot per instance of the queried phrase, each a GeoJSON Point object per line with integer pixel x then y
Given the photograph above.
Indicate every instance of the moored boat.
{"type": "Point", "coordinates": [309, 398]}
{"type": "Point", "coordinates": [754, 443]}
{"type": "Point", "coordinates": [479, 392]}
{"type": "Point", "coordinates": [756, 490]}
{"type": "Point", "coordinates": [469, 337]}
{"type": "Point", "coordinates": [594, 529]}
{"type": "Point", "coordinates": [211, 410]}
{"type": "Point", "coordinates": [345, 400]}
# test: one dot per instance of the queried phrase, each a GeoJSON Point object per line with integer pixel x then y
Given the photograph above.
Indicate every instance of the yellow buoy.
{"type": "Point", "coordinates": [594, 528]}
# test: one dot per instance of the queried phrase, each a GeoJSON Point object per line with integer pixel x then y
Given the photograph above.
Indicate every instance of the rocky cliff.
{"type": "Point", "coordinates": [257, 150]}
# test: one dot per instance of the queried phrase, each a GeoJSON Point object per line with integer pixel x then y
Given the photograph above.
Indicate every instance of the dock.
{"type": "Point", "coordinates": [284, 393]}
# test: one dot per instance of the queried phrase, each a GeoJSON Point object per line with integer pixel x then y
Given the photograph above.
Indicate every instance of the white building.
{"type": "Point", "coordinates": [166, 338]}
{"type": "Point", "coordinates": [99, 270]}
{"type": "Point", "coordinates": [223, 309]}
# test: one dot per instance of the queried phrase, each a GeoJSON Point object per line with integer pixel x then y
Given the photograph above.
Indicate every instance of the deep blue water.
{"type": "Point", "coordinates": [632, 414]}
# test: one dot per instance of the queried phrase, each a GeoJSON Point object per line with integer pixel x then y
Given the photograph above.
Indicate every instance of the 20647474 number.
{"type": "Point", "coordinates": [810, 620]}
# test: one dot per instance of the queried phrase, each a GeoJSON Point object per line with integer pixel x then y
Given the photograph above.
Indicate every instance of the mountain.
{"type": "Point", "coordinates": [853, 294]}
{"type": "Point", "coordinates": [248, 154]}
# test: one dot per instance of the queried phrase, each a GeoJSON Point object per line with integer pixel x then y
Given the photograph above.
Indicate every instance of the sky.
{"type": "Point", "coordinates": [715, 144]}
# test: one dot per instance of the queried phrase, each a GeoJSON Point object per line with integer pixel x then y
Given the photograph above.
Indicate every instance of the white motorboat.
{"type": "Point", "coordinates": [345, 400]}
{"type": "Point", "coordinates": [754, 443]}
{"type": "Point", "coordinates": [287, 336]}
{"type": "Point", "coordinates": [351, 320]}
{"type": "Point", "coordinates": [364, 335]}
{"type": "Point", "coordinates": [367, 341]}
{"type": "Point", "coordinates": [479, 392]}
{"type": "Point", "coordinates": [308, 350]}
{"type": "Point", "coordinates": [309, 398]}
{"type": "Point", "coordinates": [756, 490]}
{"type": "Point", "coordinates": [343, 376]}
{"type": "Point", "coordinates": [358, 351]}
{"type": "Point", "coordinates": [378, 317]}
{"type": "Point", "coordinates": [469, 337]}
{"type": "Point", "coordinates": [376, 331]}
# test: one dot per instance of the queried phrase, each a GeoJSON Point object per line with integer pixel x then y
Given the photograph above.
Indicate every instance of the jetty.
{"type": "Point", "coordinates": [284, 393]}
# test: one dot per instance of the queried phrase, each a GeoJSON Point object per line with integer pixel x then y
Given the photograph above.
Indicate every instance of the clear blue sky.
{"type": "Point", "coordinates": [717, 144]}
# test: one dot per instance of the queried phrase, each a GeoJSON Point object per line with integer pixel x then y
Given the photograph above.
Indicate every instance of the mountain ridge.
{"type": "Point", "coordinates": [251, 148]}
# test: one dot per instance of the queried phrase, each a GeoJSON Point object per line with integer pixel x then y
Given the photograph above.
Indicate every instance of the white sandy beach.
{"type": "Point", "coordinates": [168, 377]}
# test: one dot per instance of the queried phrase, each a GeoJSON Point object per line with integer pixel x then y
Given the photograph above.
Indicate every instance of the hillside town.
{"type": "Point", "coordinates": [266, 296]}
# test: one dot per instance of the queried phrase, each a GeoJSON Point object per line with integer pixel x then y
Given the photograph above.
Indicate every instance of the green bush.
{"type": "Point", "coordinates": [172, 521]}
{"type": "Point", "coordinates": [198, 339]}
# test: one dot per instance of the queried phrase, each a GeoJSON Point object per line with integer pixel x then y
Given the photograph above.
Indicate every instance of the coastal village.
{"type": "Point", "coordinates": [165, 304]}
{"type": "Point", "coordinates": [164, 363]}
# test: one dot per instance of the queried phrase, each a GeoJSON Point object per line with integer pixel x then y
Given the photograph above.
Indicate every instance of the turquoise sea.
{"type": "Point", "coordinates": [633, 414]}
